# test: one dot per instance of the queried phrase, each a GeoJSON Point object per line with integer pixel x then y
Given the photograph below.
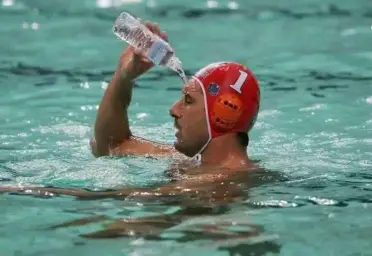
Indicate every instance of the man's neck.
{"type": "Point", "coordinates": [225, 151]}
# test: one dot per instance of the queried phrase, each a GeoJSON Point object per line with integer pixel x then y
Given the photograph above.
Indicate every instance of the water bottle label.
{"type": "Point", "coordinates": [158, 51]}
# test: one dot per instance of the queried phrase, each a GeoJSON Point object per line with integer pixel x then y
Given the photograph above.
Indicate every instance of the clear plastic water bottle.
{"type": "Point", "coordinates": [132, 31]}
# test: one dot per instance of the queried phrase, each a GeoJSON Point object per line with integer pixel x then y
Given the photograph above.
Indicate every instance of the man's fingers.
{"type": "Point", "coordinates": [149, 25]}
{"type": "Point", "coordinates": [164, 35]}
{"type": "Point", "coordinates": [137, 51]}
{"type": "Point", "coordinates": [156, 29]}
{"type": "Point", "coordinates": [138, 56]}
{"type": "Point", "coordinates": [130, 47]}
{"type": "Point", "coordinates": [153, 27]}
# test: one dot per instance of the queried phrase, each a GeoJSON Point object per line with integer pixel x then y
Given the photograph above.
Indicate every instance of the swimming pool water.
{"type": "Point", "coordinates": [314, 63]}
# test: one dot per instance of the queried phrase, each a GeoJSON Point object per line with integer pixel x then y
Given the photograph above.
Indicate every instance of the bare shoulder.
{"type": "Point", "coordinates": [143, 147]}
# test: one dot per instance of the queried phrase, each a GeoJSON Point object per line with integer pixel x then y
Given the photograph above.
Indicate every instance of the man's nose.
{"type": "Point", "coordinates": [174, 111]}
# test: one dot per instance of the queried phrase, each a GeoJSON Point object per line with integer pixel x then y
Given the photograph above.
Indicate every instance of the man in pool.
{"type": "Point", "coordinates": [218, 107]}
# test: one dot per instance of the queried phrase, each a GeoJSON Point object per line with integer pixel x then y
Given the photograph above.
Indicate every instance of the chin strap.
{"type": "Point", "coordinates": [197, 158]}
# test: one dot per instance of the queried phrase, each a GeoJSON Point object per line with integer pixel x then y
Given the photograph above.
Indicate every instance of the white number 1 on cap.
{"type": "Point", "coordinates": [239, 83]}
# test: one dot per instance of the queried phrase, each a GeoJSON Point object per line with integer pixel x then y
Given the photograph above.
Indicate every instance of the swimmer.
{"type": "Point", "coordinates": [217, 109]}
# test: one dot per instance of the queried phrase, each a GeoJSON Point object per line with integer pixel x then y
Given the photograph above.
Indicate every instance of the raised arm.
{"type": "Point", "coordinates": [112, 135]}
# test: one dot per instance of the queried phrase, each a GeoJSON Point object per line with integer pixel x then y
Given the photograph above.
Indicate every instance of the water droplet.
{"type": "Point", "coordinates": [233, 5]}
{"type": "Point", "coordinates": [369, 100]}
{"type": "Point", "coordinates": [141, 115]}
{"type": "Point", "coordinates": [182, 74]}
{"type": "Point", "coordinates": [85, 85]}
{"type": "Point", "coordinates": [35, 26]}
{"type": "Point", "coordinates": [7, 2]}
{"type": "Point", "coordinates": [104, 85]}
{"type": "Point", "coordinates": [211, 4]}
{"type": "Point", "coordinates": [140, 241]}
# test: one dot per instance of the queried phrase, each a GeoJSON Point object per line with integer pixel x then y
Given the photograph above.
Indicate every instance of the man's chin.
{"type": "Point", "coordinates": [177, 145]}
{"type": "Point", "coordinates": [182, 149]}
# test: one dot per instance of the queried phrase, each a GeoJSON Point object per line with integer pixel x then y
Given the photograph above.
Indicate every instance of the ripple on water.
{"type": "Point", "coordinates": [70, 128]}
{"type": "Point", "coordinates": [272, 204]}
{"type": "Point", "coordinates": [369, 100]}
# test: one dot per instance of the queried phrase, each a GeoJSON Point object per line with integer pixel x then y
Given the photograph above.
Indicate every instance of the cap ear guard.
{"type": "Point", "coordinates": [226, 112]}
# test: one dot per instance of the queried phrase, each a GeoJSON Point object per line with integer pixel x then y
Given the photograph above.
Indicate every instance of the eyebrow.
{"type": "Point", "coordinates": [186, 92]}
{"type": "Point", "coordinates": [189, 92]}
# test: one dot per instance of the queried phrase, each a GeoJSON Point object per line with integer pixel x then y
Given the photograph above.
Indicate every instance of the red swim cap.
{"type": "Point", "coordinates": [231, 96]}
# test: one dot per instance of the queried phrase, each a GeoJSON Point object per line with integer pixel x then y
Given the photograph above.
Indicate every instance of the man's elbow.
{"type": "Point", "coordinates": [95, 150]}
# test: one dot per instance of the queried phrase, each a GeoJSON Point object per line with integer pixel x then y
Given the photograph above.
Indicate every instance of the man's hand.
{"type": "Point", "coordinates": [132, 63]}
